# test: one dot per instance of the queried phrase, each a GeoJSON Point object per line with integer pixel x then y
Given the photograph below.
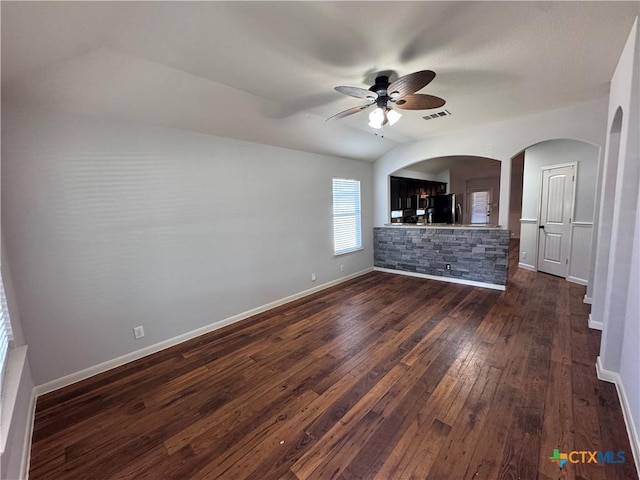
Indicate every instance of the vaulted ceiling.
{"type": "Point", "coordinates": [265, 71]}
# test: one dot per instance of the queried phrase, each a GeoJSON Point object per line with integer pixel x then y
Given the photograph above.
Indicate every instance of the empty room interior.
{"type": "Point", "coordinates": [320, 240]}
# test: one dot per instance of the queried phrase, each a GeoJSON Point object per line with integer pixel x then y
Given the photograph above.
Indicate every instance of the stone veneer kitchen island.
{"type": "Point", "coordinates": [477, 255]}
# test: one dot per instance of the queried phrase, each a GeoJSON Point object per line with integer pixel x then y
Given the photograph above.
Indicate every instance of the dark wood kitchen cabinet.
{"type": "Point", "coordinates": [396, 197]}
{"type": "Point", "coordinates": [404, 191]}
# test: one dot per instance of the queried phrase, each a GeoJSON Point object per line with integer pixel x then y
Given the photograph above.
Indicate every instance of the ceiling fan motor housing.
{"type": "Point", "coordinates": [380, 87]}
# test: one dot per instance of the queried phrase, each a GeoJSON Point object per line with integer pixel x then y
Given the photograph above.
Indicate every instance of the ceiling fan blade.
{"type": "Point", "coordinates": [348, 112]}
{"type": "Point", "coordinates": [357, 92]}
{"type": "Point", "coordinates": [418, 101]}
{"type": "Point", "coordinates": [410, 83]}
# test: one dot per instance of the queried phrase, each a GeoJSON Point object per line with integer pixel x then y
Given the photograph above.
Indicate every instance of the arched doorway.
{"type": "Point", "coordinates": [605, 222]}
{"type": "Point", "coordinates": [537, 159]}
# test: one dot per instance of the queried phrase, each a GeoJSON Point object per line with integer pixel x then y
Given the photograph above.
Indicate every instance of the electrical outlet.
{"type": "Point", "coordinates": [524, 255]}
{"type": "Point", "coordinates": [448, 266]}
{"type": "Point", "coordinates": [313, 277]}
{"type": "Point", "coordinates": [138, 332]}
{"type": "Point", "coordinates": [342, 268]}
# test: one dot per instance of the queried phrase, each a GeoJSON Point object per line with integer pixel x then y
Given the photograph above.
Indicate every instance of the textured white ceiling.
{"type": "Point", "coordinates": [265, 71]}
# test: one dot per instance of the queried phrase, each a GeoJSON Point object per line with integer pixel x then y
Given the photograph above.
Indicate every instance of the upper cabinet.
{"type": "Point", "coordinates": [396, 195]}
{"type": "Point", "coordinates": [405, 191]}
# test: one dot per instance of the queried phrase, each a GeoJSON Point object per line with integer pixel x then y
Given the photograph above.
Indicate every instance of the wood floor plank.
{"type": "Point", "coordinates": [522, 447]}
{"type": "Point", "coordinates": [384, 376]}
{"type": "Point", "coordinates": [609, 413]}
{"type": "Point", "coordinates": [402, 456]}
{"type": "Point", "coordinates": [587, 432]}
{"type": "Point", "coordinates": [466, 431]}
{"type": "Point", "coordinates": [398, 407]}
{"type": "Point", "coordinates": [338, 431]}
{"type": "Point", "coordinates": [430, 449]}
{"type": "Point", "coordinates": [229, 458]}
{"type": "Point", "coordinates": [557, 428]}
{"type": "Point", "coordinates": [484, 461]}
{"type": "Point", "coordinates": [241, 411]}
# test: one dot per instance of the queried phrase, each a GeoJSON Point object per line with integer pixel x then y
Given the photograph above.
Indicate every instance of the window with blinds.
{"type": "Point", "coordinates": [347, 228]}
{"type": "Point", "coordinates": [6, 337]}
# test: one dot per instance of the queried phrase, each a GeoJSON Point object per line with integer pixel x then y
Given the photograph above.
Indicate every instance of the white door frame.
{"type": "Point", "coordinates": [573, 207]}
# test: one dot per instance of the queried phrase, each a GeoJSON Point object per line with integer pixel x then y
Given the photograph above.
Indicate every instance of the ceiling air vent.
{"type": "Point", "coordinates": [442, 113]}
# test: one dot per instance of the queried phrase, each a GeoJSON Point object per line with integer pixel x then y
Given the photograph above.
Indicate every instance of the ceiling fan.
{"type": "Point", "coordinates": [383, 94]}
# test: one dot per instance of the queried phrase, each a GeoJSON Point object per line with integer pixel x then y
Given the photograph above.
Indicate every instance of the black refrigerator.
{"type": "Point", "coordinates": [440, 208]}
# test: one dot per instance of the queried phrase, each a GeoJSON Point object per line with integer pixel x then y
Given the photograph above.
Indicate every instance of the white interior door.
{"type": "Point", "coordinates": [479, 206]}
{"type": "Point", "coordinates": [556, 209]}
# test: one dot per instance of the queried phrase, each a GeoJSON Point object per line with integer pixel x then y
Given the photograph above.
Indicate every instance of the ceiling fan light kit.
{"type": "Point", "coordinates": [377, 118]}
{"type": "Point", "coordinates": [383, 116]}
{"type": "Point", "coordinates": [393, 116]}
{"type": "Point", "coordinates": [400, 93]}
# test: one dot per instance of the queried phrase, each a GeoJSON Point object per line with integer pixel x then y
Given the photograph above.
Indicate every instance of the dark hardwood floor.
{"type": "Point", "coordinates": [386, 377]}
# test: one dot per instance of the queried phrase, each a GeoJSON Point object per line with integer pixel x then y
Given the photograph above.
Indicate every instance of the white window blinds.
{"type": "Point", "coordinates": [347, 228]}
{"type": "Point", "coordinates": [6, 337]}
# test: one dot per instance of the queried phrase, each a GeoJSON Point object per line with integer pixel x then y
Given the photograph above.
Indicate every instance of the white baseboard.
{"type": "Point", "coordinates": [603, 374]}
{"type": "Point", "coordinates": [143, 352]}
{"type": "Point", "coordinates": [595, 325]}
{"type": "Point", "coordinates": [472, 283]}
{"type": "Point", "coordinates": [587, 300]}
{"type": "Point", "coordinates": [579, 281]}
{"type": "Point", "coordinates": [527, 266]}
{"type": "Point", "coordinates": [632, 431]}
{"type": "Point", "coordinates": [26, 447]}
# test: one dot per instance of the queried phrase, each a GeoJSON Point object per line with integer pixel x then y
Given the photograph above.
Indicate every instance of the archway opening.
{"type": "Point", "coordinates": [574, 251]}
{"type": "Point", "coordinates": [473, 182]}
{"type": "Point", "coordinates": [605, 221]}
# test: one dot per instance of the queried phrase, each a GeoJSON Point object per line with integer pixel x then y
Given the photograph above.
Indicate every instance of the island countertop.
{"type": "Point", "coordinates": [443, 225]}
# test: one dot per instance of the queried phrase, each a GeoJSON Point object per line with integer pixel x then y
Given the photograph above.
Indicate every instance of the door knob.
{"type": "Point", "coordinates": [541, 226]}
